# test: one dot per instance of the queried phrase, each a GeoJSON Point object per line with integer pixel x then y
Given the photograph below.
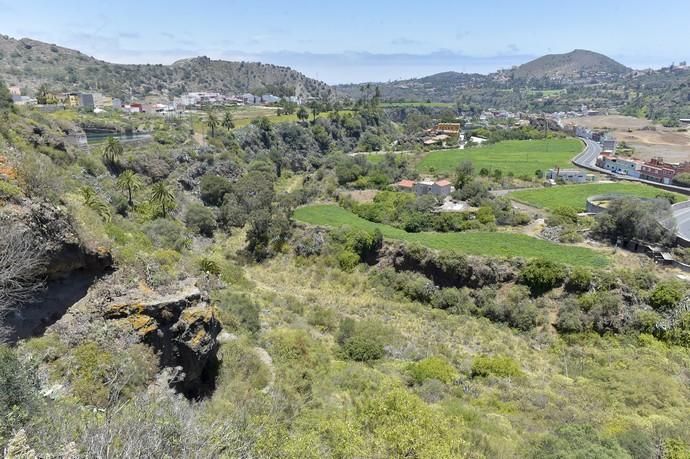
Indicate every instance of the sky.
{"type": "Point", "coordinates": [356, 41]}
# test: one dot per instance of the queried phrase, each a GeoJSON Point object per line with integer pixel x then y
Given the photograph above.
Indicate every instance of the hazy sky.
{"type": "Point", "coordinates": [354, 41]}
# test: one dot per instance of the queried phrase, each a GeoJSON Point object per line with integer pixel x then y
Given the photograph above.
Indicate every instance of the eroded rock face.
{"type": "Point", "coordinates": [52, 230]}
{"type": "Point", "coordinates": [447, 270]}
{"type": "Point", "coordinates": [182, 327]}
{"type": "Point", "coordinates": [70, 266]}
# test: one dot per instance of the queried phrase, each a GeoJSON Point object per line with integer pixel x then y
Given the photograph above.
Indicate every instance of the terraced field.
{"type": "Point", "coordinates": [472, 243]}
{"type": "Point", "coordinates": [575, 196]}
{"type": "Point", "coordinates": [521, 157]}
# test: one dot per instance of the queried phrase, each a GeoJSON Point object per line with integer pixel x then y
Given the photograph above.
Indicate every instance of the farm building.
{"type": "Point", "coordinates": [570, 175]}
{"type": "Point", "coordinates": [405, 185]}
{"type": "Point", "coordinates": [440, 188]}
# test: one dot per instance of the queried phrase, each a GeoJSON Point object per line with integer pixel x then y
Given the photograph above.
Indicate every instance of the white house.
{"type": "Point", "coordinates": [570, 175]}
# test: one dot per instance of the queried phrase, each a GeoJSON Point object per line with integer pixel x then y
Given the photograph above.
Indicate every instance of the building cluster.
{"type": "Point", "coordinates": [202, 99]}
{"type": "Point", "coordinates": [569, 176]}
{"type": "Point", "coordinates": [439, 188]}
{"type": "Point", "coordinates": [193, 100]}
{"type": "Point", "coordinates": [655, 170]}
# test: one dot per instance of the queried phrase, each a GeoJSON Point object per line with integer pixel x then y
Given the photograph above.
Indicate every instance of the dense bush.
{"type": "Point", "coordinates": [631, 218]}
{"type": "Point", "coordinates": [214, 188]}
{"type": "Point", "coordinates": [363, 348]}
{"type": "Point", "coordinates": [501, 366]}
{"type": "Point", "coordinates": [579, 280]}
{"type": "Point", "coordinates": [432, 368]}
{"type": "Point", "coordinates": [200, 219]}
{"type": "Point", "coordinates": [542, 275]}
{"type": "Point", "coordinates": [666, 295]}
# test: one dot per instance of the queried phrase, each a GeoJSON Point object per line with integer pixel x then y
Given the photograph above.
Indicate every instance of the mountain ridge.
{"type": "Point", "coordinates": [573, 64]}
{"type": "Point", "coordinates": [30, 63]}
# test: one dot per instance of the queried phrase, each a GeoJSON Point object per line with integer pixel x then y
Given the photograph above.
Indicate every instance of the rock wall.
{"type": "Point", "coordinates": [182, 328]}
{"type": "Point", "coordinates": [447, 270]}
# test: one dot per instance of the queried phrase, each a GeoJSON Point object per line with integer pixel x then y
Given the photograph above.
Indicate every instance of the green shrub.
{"type": "Point", "coordinates": [348, 260]}
{"type": "Point", "coordinates": [200, 219]}
{"type": "Point", "coordinates": [432, 368]}
{"type": "Point", "coordinates": [9, 190]}
{"type": "Point", "coordinates": [579, 280]}
{"type": "Point", "coordinates": [500, 366]}
{"type": "Point", "coordinates": [666, 295]}
{"type": "Point", "coordinates": [213, 189]}
{"type": "Point", "coordinates": [542, 275]}
{"type": "Point", "coordinates": [363, 348]}
{"type": "Point", "coordinates": [18, 393]}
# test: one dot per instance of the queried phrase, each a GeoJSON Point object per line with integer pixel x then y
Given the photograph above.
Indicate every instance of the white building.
{"type": "Point", "coordinates": [570, 175]}
{"type": "Point", "coordinates": [622, 166]}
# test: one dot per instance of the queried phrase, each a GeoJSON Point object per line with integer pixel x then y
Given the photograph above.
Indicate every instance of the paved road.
{"type": "Point", "coordinates": [589, 155]}
{"type": "Point", "coordinates": [681, 213]}
{"type": "Point", "coordinates": [682, 217]}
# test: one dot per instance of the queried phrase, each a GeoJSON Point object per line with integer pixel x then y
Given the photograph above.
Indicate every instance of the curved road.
{"type": "Point", "coordinates": [681, 211]}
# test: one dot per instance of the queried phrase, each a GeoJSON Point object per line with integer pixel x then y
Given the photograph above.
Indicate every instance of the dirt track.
{"type": "Point", "coordinates": [645, 137]}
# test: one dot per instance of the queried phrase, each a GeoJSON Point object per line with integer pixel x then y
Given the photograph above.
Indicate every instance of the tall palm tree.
{"type": "Point", "coordinates": [212, 123]}
{"type": "Point", "coordinates": [112, 150]}
{"type": "Point", "coordinates": [228, 122]}
{"type": "Point", "coordinates": [163, 197]}
{"type": "Point", "coordinates": [129, 182]}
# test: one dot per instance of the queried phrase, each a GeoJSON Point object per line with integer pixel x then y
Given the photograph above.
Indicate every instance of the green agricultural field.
{"type": "Point", "coordinates": [575, 196]}
{"type": "Point", "coordinates": [521, 157]}
{"type": "Point", "coordinates": [471, 243]}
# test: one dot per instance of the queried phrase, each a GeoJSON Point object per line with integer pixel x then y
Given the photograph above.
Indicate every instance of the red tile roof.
{"type": "Point", "coordinates": [406, 183]}
{"type": "Point", "coordinates": [443, 183]}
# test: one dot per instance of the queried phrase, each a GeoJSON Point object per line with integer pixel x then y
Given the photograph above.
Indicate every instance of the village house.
{"type": "Point", "coordinates": [405, 185]}
{"type": "Point", "coordinates": [623, 166]}
{"type": "Point", "coordinates": [657, 170]}
{"type": "Point", "coordinates": [570, 175]}
{"type": "Point", "coordinates": [439, 188]}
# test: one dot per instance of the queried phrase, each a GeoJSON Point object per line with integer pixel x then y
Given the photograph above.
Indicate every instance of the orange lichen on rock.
{"type": "Point", "coordinates": [7, 170]}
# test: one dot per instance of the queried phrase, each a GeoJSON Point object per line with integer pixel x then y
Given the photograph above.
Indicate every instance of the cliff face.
{"type": "Point", "coordinates": [67, 269]}
{"type": "Point", "coordinates": [182, 328]}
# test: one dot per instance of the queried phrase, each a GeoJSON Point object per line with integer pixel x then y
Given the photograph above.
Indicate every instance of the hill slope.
{"type": "Point", "coordinates": [571, 65]}
{"type": "Point", "coordinates": [29, 63]}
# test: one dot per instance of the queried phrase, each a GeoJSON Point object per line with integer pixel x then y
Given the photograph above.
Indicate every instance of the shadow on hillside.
{"type": "Point", "coordinates": [51, 304]}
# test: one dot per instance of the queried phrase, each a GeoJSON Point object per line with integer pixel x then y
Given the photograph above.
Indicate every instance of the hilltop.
{"type": "Point", "coordinates": [30, 63]}
{"type": "Point", "coordinates": [575, 64]}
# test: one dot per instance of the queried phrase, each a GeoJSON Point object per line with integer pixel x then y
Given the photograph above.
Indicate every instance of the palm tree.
{"type": "Point", "coordinates": [212, 123]}
{"type": "Point", "coordinates": [112, 150]}
{"type": "Point", "coordinates": [92, 201]}
{"type": "Point", "coordinates": [129, 182]}
{"type": "Point", "coordinates": [228, 122]}
{"type": "Point", "coordinates": [162, 197]}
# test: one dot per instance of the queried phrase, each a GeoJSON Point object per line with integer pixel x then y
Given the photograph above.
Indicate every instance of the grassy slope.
{"type": "Point", "coordinates": [522, 157]}
{"type": "Point", "coordinates": [576, 195]}
{"type": "Point", "coordinates": [615, 383]}
{"type": "Point", "coordinates": [473, 243]}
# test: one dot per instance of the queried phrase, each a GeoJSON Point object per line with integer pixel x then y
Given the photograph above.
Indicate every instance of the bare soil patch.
{"type": "Point", "coordinates": [648, 139]}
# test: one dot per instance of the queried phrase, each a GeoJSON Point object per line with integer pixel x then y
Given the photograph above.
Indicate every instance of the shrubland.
{"type": "Point", "coordinates": [337, 342]}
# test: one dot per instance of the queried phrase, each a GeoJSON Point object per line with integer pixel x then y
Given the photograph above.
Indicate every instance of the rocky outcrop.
{"type": "Point", "coordinates": [182, 327]}
{"type": "Point", "coordinates": [447, 269]}
{"type": "Point", "coordinates": [69, 266]}
{"type": "Point", "coordinates": [52, 230]}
